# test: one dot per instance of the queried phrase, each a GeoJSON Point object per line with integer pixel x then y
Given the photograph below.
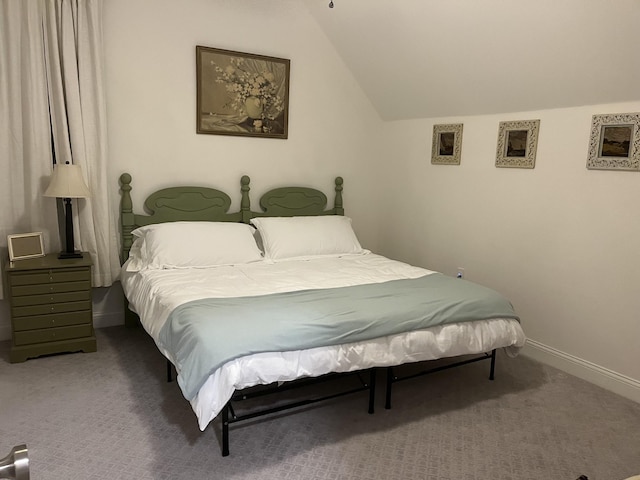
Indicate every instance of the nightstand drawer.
{"type": "Point", "coordinates": [44, 288]}
{"type": "Point", "coordinates": [53, 320]}
{"type": "Point", "coordinates": [51, 298]}
{"type": "Point", "coordinates": [50, 276]}
{"type": "Point", "coordinates": [50, 308]}
{"type": "Point", "coordinates": [52, 334]}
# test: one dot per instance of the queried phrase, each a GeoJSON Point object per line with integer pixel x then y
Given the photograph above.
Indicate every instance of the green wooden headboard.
{"type": "Point", "coordinates": [191, 203]}
{"type": "Point", "coordinates": [183, 203]}
{"type": "Point", "coordinates": [298, 201]}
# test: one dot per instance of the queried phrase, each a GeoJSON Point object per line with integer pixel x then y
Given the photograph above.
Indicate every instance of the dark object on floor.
{"type": "Point", "coordinates": [582, 477]}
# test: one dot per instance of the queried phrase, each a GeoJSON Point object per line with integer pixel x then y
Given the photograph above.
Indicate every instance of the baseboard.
{"type": "Point", "coordinates": [108, 319]}
{"type": "Point", "coordinates": [603, 377]}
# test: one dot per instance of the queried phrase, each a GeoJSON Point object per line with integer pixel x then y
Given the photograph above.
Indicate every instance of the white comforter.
{"type": "Point", "coordinates": [153, 294]}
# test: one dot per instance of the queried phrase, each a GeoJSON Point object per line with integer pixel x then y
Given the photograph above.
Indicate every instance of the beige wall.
{"type": "Point", "coordinates": [151, 106]}
{"type": "Point", "coordinates": [151, 82]}
{"type": "Point", "coordinates": [151, 92]}
{"type": "Point", "coordinates": [560, 241]}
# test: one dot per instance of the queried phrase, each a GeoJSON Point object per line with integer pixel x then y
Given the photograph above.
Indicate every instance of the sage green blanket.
{"type": "Point", "coordinates": [204, 334]}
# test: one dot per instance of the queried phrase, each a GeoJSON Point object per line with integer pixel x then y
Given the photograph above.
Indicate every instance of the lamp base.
{"type": "Point", "coordinates": [75, 254]}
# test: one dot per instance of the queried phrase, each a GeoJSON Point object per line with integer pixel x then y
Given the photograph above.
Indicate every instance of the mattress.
{"type": "Point", "coordinates": [154, 293]}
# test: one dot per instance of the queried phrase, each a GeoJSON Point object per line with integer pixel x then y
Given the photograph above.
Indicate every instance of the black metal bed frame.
{"type": "Point", "coordinates": [229, 415]}
{"type": "Point", "coordinates": [392, 378]}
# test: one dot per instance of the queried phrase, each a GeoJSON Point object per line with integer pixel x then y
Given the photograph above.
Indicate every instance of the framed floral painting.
{"type": "Point", "coordinates": [615, 142]}
{"type": "Point", "coordinates": [241, 93]}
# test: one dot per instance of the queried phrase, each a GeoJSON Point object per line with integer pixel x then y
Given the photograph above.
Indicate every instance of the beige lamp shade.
{"type": "Point", "coordinates": [67, 182]}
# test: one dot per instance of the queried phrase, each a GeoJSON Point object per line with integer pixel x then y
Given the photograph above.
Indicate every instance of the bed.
{"type": "Point", "coordinates": [285, 295]}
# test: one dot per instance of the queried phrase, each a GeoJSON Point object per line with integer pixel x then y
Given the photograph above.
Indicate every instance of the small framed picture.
{"type": "Point", "coordinates": [446, 146]}
{"type": "Point", "coordinates": [615, 142]}
{"type": "Point", "coordinates": [25, 245]}
{"type": "Point", "coordinates": [517, 144]}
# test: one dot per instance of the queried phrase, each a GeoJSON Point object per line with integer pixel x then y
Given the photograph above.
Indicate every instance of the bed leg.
{"type": "Point", "coordinates": [225, 431]}
{"type": "Point", "coordinates": [493, 364]}
{"type": "Point", "coordinates": [169, 372]}
{"type": "Point", "coordinates": [387, 403]}
{"type": "Point", "coordinates": [372, 389]}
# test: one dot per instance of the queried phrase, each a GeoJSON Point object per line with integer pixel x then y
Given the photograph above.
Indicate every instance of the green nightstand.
{"type": "Point", "coordinates": [51, 308]}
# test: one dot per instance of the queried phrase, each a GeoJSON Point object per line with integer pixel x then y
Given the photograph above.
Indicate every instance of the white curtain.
{"type": "Point", "coordinates": [66, 72]}
{"type": "Point", "coordinates": [73, 39]}
{"type": "Point", "coordinates": [25, 135]}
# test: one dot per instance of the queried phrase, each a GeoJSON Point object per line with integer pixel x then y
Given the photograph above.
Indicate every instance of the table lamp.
{"type": "Point", "coordinates": [67, 183]}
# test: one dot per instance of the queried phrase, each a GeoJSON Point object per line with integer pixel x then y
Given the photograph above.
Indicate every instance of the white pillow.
{"type": "Point", "coordinates": [193, 245]}
{"type": "Point", "coordinates": [304, 237]}
{"type": "Point", "coordinates": [136, 260]}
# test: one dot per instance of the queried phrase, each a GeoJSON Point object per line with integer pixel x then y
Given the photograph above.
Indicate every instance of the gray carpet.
{"type": "Point", "coordinates": [111, 415]}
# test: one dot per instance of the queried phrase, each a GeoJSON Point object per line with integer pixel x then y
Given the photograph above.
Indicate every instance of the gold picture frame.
{"type": "Point", "coordinates": [517, 144]}
{"type": "Point", "coordinates": [241, 94]}
{"type": "Point", "coordinates": [446, 146]}
{"type": "Point", "coordinates": [25, 245]}
{"type": "Point", "coordinates": [614, 143]}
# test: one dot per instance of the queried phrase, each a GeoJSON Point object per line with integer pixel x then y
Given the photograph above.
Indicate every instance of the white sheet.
{"type": "Point", "coordinates": [153, 294]}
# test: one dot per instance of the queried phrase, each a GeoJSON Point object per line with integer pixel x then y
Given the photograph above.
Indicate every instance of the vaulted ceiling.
{"type": "Point", "coordinates": [438, 58]}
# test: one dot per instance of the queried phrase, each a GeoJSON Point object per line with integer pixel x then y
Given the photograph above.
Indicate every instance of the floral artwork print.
{"type": "Point", "coordinates": [241, 94]}
{"type": "Point", "coordinates": [254, 93]}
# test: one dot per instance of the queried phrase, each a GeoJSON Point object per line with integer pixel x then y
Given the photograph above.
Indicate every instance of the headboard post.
{"type": "Point", "coordinates": [126, 215]}
{"type": "Point", "coordinates": [245, 202]}
{"type": "Point", "coordinates": [338, 201]}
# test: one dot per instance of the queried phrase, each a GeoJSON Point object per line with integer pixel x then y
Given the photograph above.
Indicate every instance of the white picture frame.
{"type": "Point", "coordinates": [614, 143]}
{"type": "Point", "coordinates": [25, 245]}
{"type": "Point", "coordinates": [517, 144]}
{"type": "Point", "coordinates": [446, 146]}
